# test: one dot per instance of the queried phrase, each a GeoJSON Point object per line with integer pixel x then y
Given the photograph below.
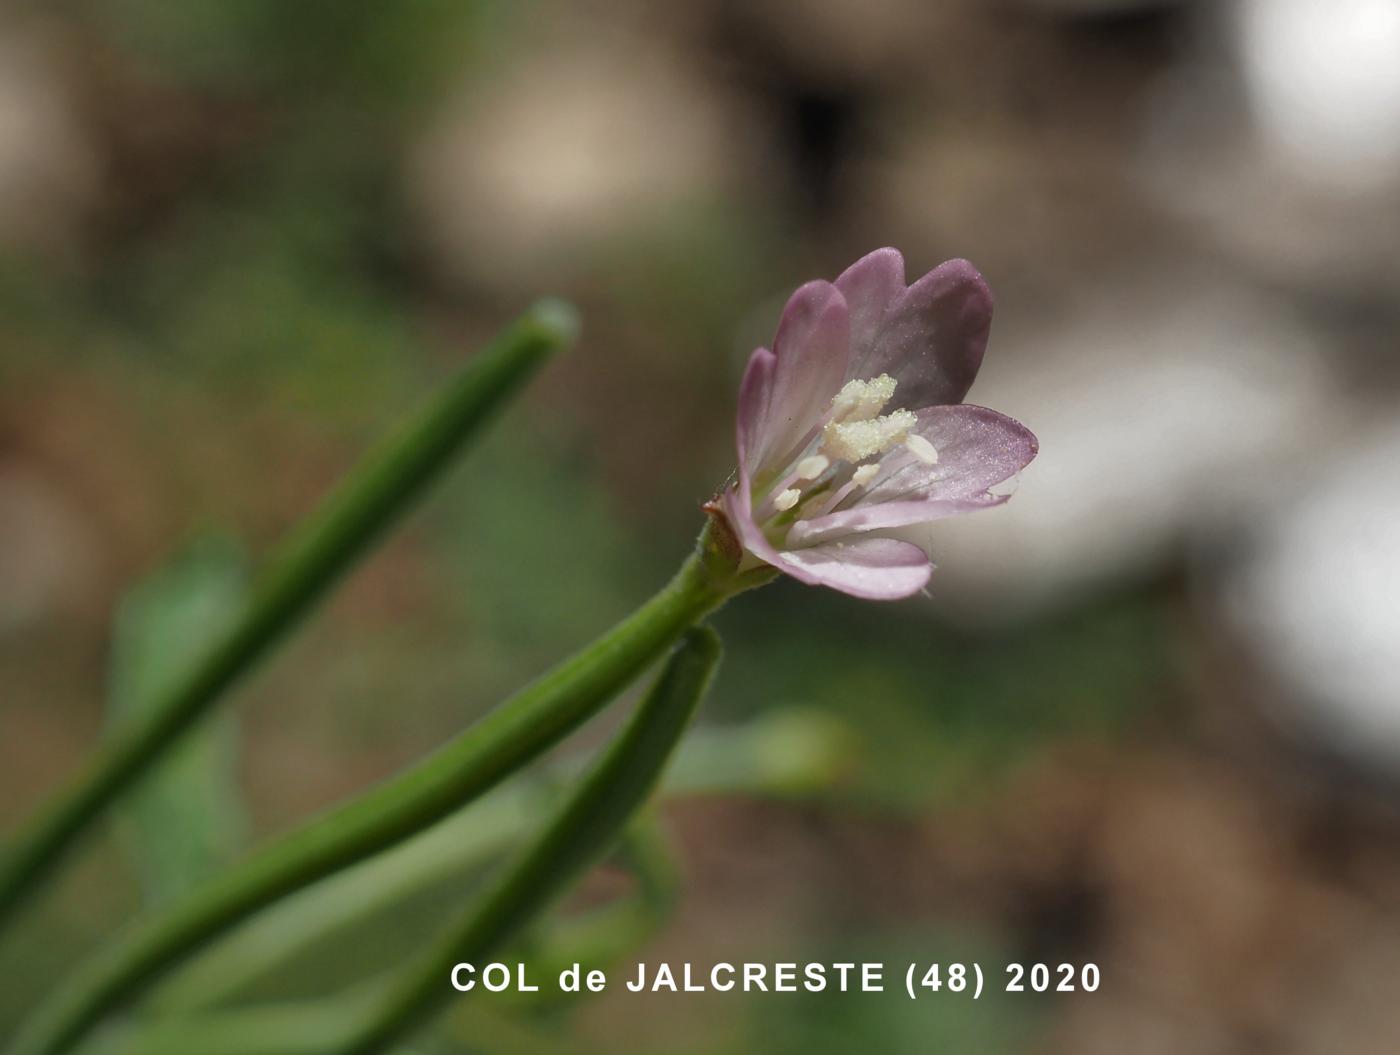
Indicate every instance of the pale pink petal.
{"type": "Point", "coordinates": [977, 449]}
{"type": "Point", "coordinates": [879, 569]}
{"type": "Point", "coordinates": [932, 338]}
{"type": "Point", "coordinates": [738, 508]}
{"type": "Point", "coordinates": [755, 395]}
{"type": "Point", "coordinates": [853, 521]}
{"type": "Point", "coordinates": [871, 286]}
{"type": "Point", "coordinates": [812, 346]}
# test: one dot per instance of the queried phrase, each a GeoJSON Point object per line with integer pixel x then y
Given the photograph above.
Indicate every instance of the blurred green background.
{"type": "Point", "coordinates": [239, 239]}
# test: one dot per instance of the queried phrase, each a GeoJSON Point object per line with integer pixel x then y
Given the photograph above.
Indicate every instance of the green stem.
{"type": "Point", "coordinates": [301, 1028]}
{"type": "Point", "coordinates": [323, 547]}
{"type": "Point", "coordinates": [604, 935]}
{"type": "Point", "coordinates": [528, 723]}
{"type": "Point", "coordinates": [582, 831]}
{"type": "Point", "coordinates": [785, 752]}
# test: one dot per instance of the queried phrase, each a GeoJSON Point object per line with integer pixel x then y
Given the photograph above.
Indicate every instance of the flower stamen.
{"type": "Point", "coordinates": [862, 400]}
{"type": "Point", "coordinates": [921, 448]}
{"type": "Point", "coordinates": [854, 441]}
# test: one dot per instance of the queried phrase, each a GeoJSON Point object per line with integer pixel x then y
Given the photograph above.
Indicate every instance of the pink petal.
{"type": "Point", "coordinates": [879, 569]}
{"type": "Point", "coordinates": [738, 507]}
{"type": "Point", "coordinates": [812, 345]}
{"type": "Point", "coordinates": [932, 337]}
{"type": "Point", "coordinates": [847, 522]}
{"type": "Point", "coordinates": [977, 449]}
{"type": "Point", "coordinates": [871, 285]}
{"type": "Point", "coordinates": [751, 419]}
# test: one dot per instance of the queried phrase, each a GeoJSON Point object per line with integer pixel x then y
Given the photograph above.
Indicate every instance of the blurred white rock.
{"type": "Point", "coordinates": [49, 175]}
{"type": "Point", "coordinates": [49, 557]}
{"type": "Point", "coordinates": [1099, 8]}
{"type": "Point", "coordinates": [569, 143]}
{"type": "Point", "coordinates": [1156, 401]}
{"type": "Point", "coordinates": [1324, 84]}
{"type": "Point", "coordinates": [1278, 140]}
{"type": "Point", "coordinates": [1317, 597]}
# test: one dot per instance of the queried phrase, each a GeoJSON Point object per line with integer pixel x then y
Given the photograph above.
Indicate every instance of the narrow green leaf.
{"type": "Point", "coordinates": [340, 531]}
{"type": "Point", "coordinates": [582, 831]}
{"type": "Point", "coordinates": [523, 726]}
{"type": "Point", "coordinates": [324, 927]}
{"type": "Point", "coordinates": [185, 821]}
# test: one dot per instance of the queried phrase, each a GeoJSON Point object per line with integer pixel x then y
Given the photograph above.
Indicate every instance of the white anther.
{"type": "Point", "coordinates": [854, 441]}
{"type": "Point", "coordinates": [864, 474]}
{"type": "Point", "coordinates": [787, 499]}
{"type": "Point", "coordinates": [921, 448]}
{"type": "Point", "coordinates": [812, 466]}
{"type": "Point", "coordinates": [862, 400]}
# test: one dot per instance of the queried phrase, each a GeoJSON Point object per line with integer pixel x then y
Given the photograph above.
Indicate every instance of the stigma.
{"type": "Point", "coordinates": [786, 499]}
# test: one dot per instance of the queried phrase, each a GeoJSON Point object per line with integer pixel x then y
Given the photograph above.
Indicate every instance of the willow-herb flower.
{"type": "Point", "coordinates": [854, 425]}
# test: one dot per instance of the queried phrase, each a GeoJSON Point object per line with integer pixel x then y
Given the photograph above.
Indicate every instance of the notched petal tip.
{"type": "Point", "coordinates": [956, 289]}
{"type": "Point", "coordinates": [757, 371]}
{"type": "Point", "coordinates": [970, 302]}
{"type": "Point", "coordinates": [871, 286]}
{"type": "Point", "coordinates": [929, 336]}
{"type": "Point", "coordinates": [960, 269]}
{"type": "Point", "coordinates": [884, 267]}
{"type": "Point", "coordinates": [813, 311]}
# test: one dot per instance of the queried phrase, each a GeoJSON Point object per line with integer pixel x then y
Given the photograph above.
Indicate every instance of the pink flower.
{"type": "Point", "coordinates": [854, 425]}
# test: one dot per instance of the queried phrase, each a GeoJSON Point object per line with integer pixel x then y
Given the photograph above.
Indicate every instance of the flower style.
{"type": "Point", "coordinates": [854, 425]}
